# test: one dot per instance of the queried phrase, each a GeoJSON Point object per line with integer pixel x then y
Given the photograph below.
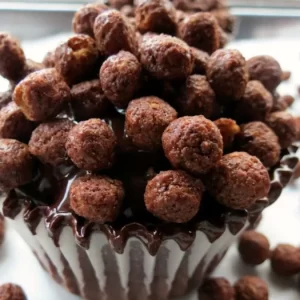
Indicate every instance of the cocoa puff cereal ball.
{"type": "Point", "coordinates": [12, 61]}
{"type": "Point", "coordinates": [16, 166]}
{"type": "Point", "coordinates": [259, 140]}
{"type": "Point", "coordinates": [88, 100]}
{"type": "Point", "coordinates": [91, 145]}
{"type": "Point", "coordinates": [75, 59]}
{"type": "Point", "coordinates": [229, 129]}
{"type": "Point", "coordinates": [42, 95]}
{"type": "Point", "coordinates": [84, 18]}
{"type": "Point", "coordinates": [10, 291]}
{"type": "Point", "coordinates": [238, 180]}
{"type": "Point", "coordinates": [251, 287]}
{"type": "Point", "coordinates": [200, 30]}
{"type": "Point", "coordinates": [166, 57]}
{"type": "Point", "coordinates": [197, 97]}
{"type": "Point", "coordinates": [13, 123]}
{"type": "Point", "coordinates": [256, 103]}
{"type": "Point", "coordinates": [217, 289]}
{"type": "Point", "coordinates": [96, 198]}
{"type": "Point", "coordinates": [254, 247]}
{"type": "Point", "coordinates": [49, 59]}
{"type": "Point", "coordinates": [284, 125]}
{"type": "Point", "coordinates": [285, 260]}
{"type": "Point", "coordinates": [145, 121]}
{"type": "Point", "coordinates": [227, 74]}
{"type": "Point", "coordinates": [200, 61]}
{"type": "Point", "coordinates": [120, 77]}
{"type": "Point", "coordinates": [266, 70]}
{"type": "Point", "coordinates": [156, 16]}
{"type": "Point", "coordinates": [173, 196]}
{"type": "Point", "coordinates": [48, 140]}
{"type": "Point", "coordinates": [193, 144]}
{"type": "Point", "coordinates": [113, 33]}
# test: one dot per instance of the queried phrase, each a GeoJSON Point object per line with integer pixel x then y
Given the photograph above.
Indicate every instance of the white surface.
{"type": "Point", "coordinates": [281, 222]}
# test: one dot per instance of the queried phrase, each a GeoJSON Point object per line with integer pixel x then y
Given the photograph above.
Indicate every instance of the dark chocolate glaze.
{"type": "Point", "coordinates": [47, 198]}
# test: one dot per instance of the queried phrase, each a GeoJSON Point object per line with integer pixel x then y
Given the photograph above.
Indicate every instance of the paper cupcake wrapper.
{"type": "Point", "coordinates": [89, 261]}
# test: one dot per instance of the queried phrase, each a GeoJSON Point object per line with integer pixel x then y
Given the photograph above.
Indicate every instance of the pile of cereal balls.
{"type": "Point", "coordinates": [215, 117]}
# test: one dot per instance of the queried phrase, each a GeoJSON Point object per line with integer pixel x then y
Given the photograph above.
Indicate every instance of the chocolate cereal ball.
{"type": "Point", "coordinates": [200, 61]}
{"type": "Point", "coordinates": [156, 16]}
{"type": "Point", "coordinates": [113, 33]}
{"type": "Point", "coordinates": [16, 166]}
{"type": "Point", "coordinates": [88, 100]}
{"type": "Point", "coordinates": [166, 57]}
{"type": "Point", "coordinates": [284, 125]}
{"type": "Point", "coordinates": [238, 180]}
{"type": "Point", "coordinates": [216, 289]}
{"type": "Point", "coordinates": [229, 129]}
{"type": "Point", "coordinates": [173, 196]}
{"type": "Point", "coordinates": [254, 248]}
{"type": "Point", "coordinates": [200, 30]}
{"type": "Point", "coordinates": [10, 291]}
{"type": "Point", "coordinates": [84, 18]}
{"type": "Point", "coordinates": [12, 61]}
{"type": "Point", "coordinates": [48, 140]}
{"type": "Point", "coordinates": [197, 97]}
{"type": "Point", "coordinates": [146, 120]}
{"type": "Point", "coordinates": [13, 123]}
{"type": "Point", "coordinates": [42, 95]}
{"type": "Point", "coordinates": [227, 74]}
{"type": "Point", "coordinates": [91, 145]}
{"type": "Point", "coordinates": [259, 140]}
{"type": "Point", "coordinates": [96, 198]}
{"type": "Point", "coordinates": [285, 260]}
{"type": "Point", "coordinates": [120, 77]}
{"type": "Point", "coordinates": [75, 59]}
{"type": "Point", "coordinates": [251, 287]}
{"type": "Point", "coordinates": [193, 144]}
{"type": "Point", "coordinates": [256, 103]}
{"type": "Point", "coordinates": [266, 70]}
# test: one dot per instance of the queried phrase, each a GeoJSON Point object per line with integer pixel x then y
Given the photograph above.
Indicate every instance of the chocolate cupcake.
{"type": "Point", "coordinates": [127, 199]}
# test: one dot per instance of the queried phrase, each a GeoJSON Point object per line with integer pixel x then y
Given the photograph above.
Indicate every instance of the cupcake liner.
{"type": "Point", "coordinates": [133, 262]}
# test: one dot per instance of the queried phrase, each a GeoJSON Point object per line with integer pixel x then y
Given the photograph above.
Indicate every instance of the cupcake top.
{"type": "Point", "coordinates": [137, 116]}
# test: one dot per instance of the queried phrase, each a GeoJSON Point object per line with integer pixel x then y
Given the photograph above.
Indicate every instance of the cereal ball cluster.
{"type": "Point", "coordinates": [143, 79]}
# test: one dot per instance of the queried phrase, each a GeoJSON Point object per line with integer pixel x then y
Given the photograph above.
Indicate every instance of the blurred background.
{"type": "Point", "coordinates": [255, 19]}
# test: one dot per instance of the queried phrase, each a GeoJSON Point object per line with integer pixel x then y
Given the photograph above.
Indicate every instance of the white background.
{"type": "Point", "coordinates": [281, 222]}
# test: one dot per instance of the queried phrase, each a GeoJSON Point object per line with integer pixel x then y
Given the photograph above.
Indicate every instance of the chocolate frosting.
{"type": "Point", "coordinates": [47, 198]}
